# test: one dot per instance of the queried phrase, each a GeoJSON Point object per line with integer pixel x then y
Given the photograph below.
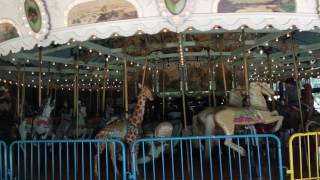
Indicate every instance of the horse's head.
{"type": "Point", "coordinates": [266, 89]}
{"type": "Point", "coordinates": [146, 92]}
{"type": "Point", "coordinates": [49, 106]}
{"type": "Point", "coordinates": [261, 87]}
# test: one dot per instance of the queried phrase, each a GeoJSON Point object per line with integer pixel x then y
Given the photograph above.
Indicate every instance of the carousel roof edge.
{"type": "Point", "coordinates": [153, 25]}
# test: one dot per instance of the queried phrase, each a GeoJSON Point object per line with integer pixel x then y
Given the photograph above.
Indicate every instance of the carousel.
{"type": "Point", "coordinates": [73, 71]}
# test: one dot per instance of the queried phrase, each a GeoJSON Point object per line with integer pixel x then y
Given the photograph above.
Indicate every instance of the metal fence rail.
{"type": "Point", "coordinates": [304, 156]}
{"type": "Point", "coordinates": [67, 159]}
{"type": "Point", "coordinates": [177, 158]}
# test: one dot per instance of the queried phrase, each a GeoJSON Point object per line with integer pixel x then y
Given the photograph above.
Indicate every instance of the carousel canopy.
{"type": "Point", "coordinates": [95, 36]}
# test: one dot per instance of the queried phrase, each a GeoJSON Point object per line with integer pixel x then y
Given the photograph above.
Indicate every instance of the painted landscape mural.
{"type": "Point", "coordinates": [7, 31]}
{"type": "Point", "coordinates": [101, 11]}
{"type": "Point", "coordinates": [233, 6]}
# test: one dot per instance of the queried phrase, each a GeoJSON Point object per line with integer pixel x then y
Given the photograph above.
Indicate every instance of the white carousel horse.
{"type": "Point", "coordinates": [227, 117]}
{"type": "Point", "coordinates": [83, 130]}
{"type": "Point", "coordinates": [41, 124]}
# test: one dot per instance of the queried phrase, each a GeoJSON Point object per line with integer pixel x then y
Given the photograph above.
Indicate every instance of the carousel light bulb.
{"type": "Point", "coordinates": [310, 52]}
{"type": "Point", "coordinates": [267, 44]}
{"type": "Point", "coordinates": [65, 65]}
{"type": "Point", "coordinates": [272, 60]}
{"type": "Point", "coordinates": [288, 35]}
{"type": "Point", "coordinates": [66, 80]}
{"type": "Point", "coordinates": [80, 47]}
{"type": "Point", "coordinates": [190, 29]}
{"type": "Point", "coordinates": [32, 73]}
{"type": "Point", "coordinates": [13, 59]}
{"type": "Point", "coordinates": [100, 53]}
{"type": "Point", "coordinates": [249, 51]}
{"type": "Point", "coordinates": [94, 37]}
{"type": "Point", "coordinates": [44, 73]}
{"type": "Point", "coordinates": [261, 62]}
{"type": "Point", "coordinates": [117, 59]}
{"type": "Point", "coordinates": [277, 39]}
{"type": "Point", "coordinates": [88, 67]}
{"type": "Point", "coordinates": [9, 72]}
{"type": "Point", "coordinates": [138, 65]}
{"type": "Point", "coordinates": [53, 63]}
{"type": "Point", "coordinates": [107, 59]}
{"type": "Point", "coordinates": [85, 75]}
{"type": "Point", "coordinates": [68, 44]}
{"type": "Point", "coordinates": [32, 81]}
{"type": "Point", "coordinates": [90, 50]}
{"type": "Point", "coordinates": [90, 80]}
{"type": "Point", "coordinates": [58, 80]}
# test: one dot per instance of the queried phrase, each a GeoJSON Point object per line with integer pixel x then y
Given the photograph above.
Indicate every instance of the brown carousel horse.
{"type": "Point", "coordinates": [127, 131]}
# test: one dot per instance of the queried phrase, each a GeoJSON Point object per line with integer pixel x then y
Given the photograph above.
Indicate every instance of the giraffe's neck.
{"type": "Point", "coordinates": [136, 117]}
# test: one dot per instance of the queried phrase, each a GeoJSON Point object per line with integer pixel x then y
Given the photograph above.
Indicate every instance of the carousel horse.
{"type": "Point", "coordinates": [228, 117]}
{"type": "Point", "coordinates": [83, 129]}
{"type": "Point", "coordinates": [127, 131]}
{"type": "Point", "coordinates": [41, 125]}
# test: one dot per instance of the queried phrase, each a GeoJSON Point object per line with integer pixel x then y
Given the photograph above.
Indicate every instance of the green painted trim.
{"type": "Point", "coordinates": [33, 15]}
{"type": "Point", "coordinates": [172, 7]}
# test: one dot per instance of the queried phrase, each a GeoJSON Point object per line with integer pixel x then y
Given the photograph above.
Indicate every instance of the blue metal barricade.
{"type": "Point", "coordinates": [3, 161]}
{"type": "Point", "coordinates": [67, 159]}
{"type": "Point", "coordinates": [177, 158]}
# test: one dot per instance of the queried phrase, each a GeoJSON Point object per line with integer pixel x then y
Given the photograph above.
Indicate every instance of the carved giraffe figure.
{"type": "Point", "coordinates": [126, 131]}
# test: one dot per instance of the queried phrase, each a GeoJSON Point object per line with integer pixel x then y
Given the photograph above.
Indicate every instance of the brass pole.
{"type": "Point", "coordinates": [144, 71]}
{"type": "Point", "coordinates": [48, 83]}
{"type": "Point", "coordinates": [270, 77]}
{"type": "Point", "coordinates": [76, 96]}
{"type": "Point", "coordinates": [223, 73]}
{"type": "Point", "coordinates": [210, 84]}
{"type": "Point", "coordinates": [296, 76]}
{"type": "Point", "coordinates": [23, 95]}
{"type": "Point", "coordinates": [39, 78]}
{"type": "Point", "coordinates": [213, 86]}
{"type": "Point", "coordinates": [163, 97]}
{"type": "Point", "coordinates": [104, 89]}
{"type": "Point", "coordinates": [98, 101]}
{"type": "Point", "coordinates": [245, 62]}
{"type": "Point", "coordinates": [18, 93]}
{"type": "Point", "coordinates": [125, 83]}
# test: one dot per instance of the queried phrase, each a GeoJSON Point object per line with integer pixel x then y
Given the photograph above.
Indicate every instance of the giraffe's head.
{"type": "Point", "coordinates": [146, 92]}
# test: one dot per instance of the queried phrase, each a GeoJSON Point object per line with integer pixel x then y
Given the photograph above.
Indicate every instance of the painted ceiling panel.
{"type": "Point", "coordinates": [232, 6]}
{"type": "Point", "coordinates": [7, 31]}
{"type": "Point", "coordinates": [101, 11]}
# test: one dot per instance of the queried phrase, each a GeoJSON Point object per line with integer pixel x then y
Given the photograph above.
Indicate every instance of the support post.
{"type": "Point", "coordinates": [125, 84]}
{"type": "Point", "coordinates": [21, 113]}
{"type": "Point", "coordinates": [245, 62]}
{"type": "Point", "coordinates": [39, 77]}
{"type": "Point", "coordinates": [104, 89]}
{"type": "Point", "coordinates": [296, 76]}
{"type": "Point", "coordinates": [213, 84]}
{"type": "Point", "coordinates": [18, 92]}
{"type": "Point", "coordinates": [270, 77]}
{"type": "Point", "coordinates": [76, 96]}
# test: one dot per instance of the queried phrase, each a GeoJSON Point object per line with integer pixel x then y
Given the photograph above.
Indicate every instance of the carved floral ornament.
{"type": "Point", "coordinates": [176, 11]}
